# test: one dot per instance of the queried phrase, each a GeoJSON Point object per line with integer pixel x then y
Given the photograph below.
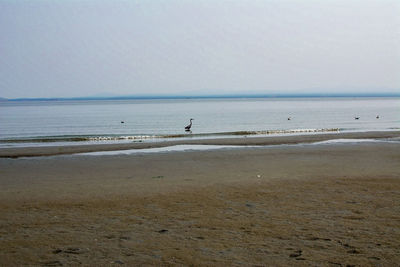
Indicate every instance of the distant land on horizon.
{"type": "Point", "coordinates": [138, 97]}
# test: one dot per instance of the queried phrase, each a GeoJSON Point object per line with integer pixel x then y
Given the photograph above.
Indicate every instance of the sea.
{"type": "Point", "coordinates": [74, 122]}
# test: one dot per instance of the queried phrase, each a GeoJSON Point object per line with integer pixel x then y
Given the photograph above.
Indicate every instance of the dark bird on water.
{"type": "Point", "coordinates": [377, 116]}
{"type": "Point", "coordinates": [122, 122]}
{"type": "Point", "coordinates": [187, 128]}
{"type": "Point", "coordinates": [356, 118]}
{"type": "Point", "coordinates": [289, 118]}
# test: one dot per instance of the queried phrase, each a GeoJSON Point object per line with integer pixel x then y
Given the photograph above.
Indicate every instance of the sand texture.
{"type": "Point", "coordinates": [318, 205]}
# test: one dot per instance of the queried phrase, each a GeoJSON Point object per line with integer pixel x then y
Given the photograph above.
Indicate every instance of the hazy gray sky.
{"type": "Point", "coordinates": [84, 48]}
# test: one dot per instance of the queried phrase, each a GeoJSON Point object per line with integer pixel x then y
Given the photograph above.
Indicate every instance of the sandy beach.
{"type": "Point", "coordinates": [305, 205]}
{"type": "Point", "coordinates": [200, 133]}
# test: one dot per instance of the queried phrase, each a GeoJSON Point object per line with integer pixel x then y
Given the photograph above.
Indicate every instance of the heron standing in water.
{"type": "Point", "coordinates": [187, 128]}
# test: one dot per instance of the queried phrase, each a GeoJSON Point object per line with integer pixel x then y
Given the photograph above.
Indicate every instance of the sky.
{"type": "Point", "coordinates": [56, 48]}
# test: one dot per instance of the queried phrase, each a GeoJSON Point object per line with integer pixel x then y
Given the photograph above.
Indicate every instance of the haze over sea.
{"type": "Point", "coordinates": [27, 123]}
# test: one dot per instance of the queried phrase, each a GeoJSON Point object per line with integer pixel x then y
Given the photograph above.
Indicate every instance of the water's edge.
{"type": "Point", "coordinates": [242, 141]}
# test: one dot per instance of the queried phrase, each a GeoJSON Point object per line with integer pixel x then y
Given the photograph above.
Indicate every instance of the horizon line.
{"type": "Point", "coordinates": [210, 96]}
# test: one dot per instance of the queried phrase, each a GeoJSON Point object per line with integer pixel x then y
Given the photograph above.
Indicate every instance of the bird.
{"type": "Point", "coordinates": [356, 118]}
{"type": "Point", "coordinates": [122, 122]}
{"type": "Point", "coordinates": [289, 118]}
{"type": "Point", "coordinates": [377, 116]}
{"type": "Point", "coordinates": [187, 128]}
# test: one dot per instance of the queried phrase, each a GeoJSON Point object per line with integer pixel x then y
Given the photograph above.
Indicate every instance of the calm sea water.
{"type": "Point", "coordinates": [34, 122]}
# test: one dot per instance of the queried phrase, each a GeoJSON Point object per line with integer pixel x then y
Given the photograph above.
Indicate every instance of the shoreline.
{"type": "Point", "coordinates": [16, 152]}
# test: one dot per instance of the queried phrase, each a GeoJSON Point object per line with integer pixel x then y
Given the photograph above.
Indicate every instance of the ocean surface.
{"type": "Point", "coordinates": [33, 123]}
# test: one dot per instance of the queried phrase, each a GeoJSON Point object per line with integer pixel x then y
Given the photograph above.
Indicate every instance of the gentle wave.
{"type": "Point", "coordinates": [238, 133]}
{"type": "Point", "coordinates": [94, 138]}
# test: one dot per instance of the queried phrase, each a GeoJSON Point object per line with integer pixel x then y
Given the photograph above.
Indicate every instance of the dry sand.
{"type": "Point", "coordinates": [315, 205]}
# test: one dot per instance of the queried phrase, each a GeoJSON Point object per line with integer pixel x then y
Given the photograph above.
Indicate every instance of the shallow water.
{"type": "Point", "coordinates": [186, 148]}
{"type": "Point", "coordinates": [36, 122]}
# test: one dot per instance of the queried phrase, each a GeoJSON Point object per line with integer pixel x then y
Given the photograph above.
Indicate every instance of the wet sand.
{"type": "Point", "coordinates": [16, 152]}
{"type": "Point", "coordinates": [318, 205]}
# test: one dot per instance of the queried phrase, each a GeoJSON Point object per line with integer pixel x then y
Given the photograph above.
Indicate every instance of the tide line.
{"type": "Point", "coordinates": [176, 148]}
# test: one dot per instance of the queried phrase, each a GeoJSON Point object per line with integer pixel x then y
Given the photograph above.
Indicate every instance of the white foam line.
{"type": "Point", "coordinates": [177, 148]}
{"type": "Point", "coordinates": [182, 148]}
{"type": "Point", "coordinates": [342, 141]}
